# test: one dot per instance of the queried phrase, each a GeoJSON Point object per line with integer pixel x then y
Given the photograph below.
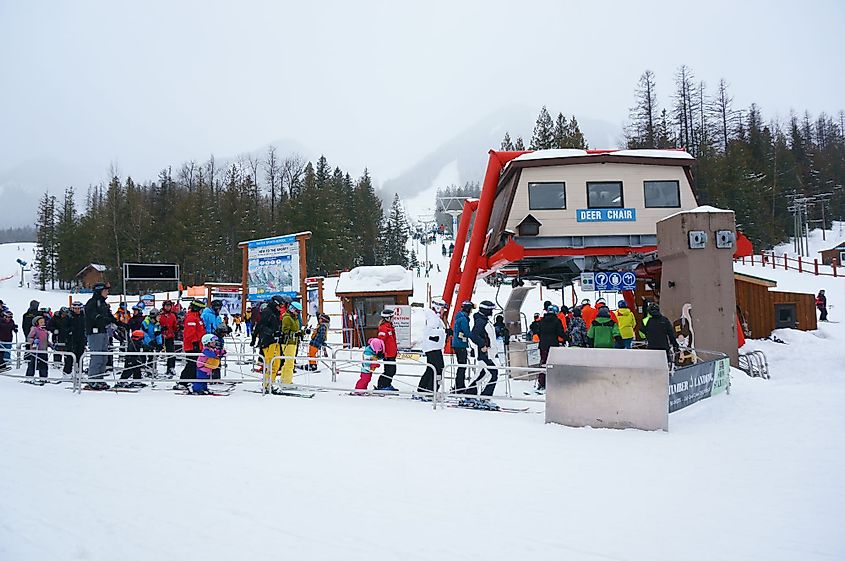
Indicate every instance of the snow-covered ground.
{"type": "Point", "coordinates": [103, 476]}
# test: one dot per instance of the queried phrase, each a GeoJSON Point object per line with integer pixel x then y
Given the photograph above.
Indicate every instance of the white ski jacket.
{"type": "Point", "coordinates": [434, 335]}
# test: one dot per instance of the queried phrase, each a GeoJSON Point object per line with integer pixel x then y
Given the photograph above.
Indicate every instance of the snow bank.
{"type": "Point", "coordinates": [375, 279]}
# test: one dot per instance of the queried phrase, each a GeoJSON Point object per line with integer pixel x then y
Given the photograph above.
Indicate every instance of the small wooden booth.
{"type": "Point", "coordinates": [364, 292]}
{"type": "Point", "coordinates": [834, 255]}
{"type": "Point", "coordinates": [91, 275]}
{"type": "Point", "coordinates": [763, 310]}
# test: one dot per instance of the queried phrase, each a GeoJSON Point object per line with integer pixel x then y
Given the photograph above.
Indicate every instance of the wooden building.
{"type": "Point", "coordinates": [91, 275]}
{"type": "Point", "coordinates": [835, 253]}
{"type": "Point", "coordinates": [364, 292]}
{"type": "Point", "coordinates": [762, 310]}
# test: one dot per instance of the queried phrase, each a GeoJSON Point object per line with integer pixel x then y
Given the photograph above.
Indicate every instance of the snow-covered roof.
{"type": "Point", "coordinates": [96, 266]}
{"type": "Point", "coordinates": [576, 153]}
{"type": "Point", "coordinates": [699, 209]}
{"type": "Point", "coordinates": [385, 278]}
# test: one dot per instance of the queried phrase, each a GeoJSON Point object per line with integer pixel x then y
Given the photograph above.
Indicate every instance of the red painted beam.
{"type": "Point", "coordinates": [452, 278]}
{"type": "Point", "coordinates": [495, 164]}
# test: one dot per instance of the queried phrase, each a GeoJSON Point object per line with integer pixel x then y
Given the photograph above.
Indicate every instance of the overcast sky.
{"type": "Point", "coordinates": [152, 83]}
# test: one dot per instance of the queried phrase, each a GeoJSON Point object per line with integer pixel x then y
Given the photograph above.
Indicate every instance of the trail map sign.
{"type": "Point", "coordinates": [274, 267]}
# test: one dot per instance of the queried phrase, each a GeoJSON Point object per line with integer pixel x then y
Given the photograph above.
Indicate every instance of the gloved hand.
{"type": "Point", "coordinates": [449, 332]}
{"type": "Point", "coordinates": [308, 331]}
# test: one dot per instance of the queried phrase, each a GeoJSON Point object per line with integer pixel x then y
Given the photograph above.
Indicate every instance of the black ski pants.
{"type": "Point", "coordinates": [191, 356]}
{"type": "Point", "coordinates": [494, 375]}
{"type": "Point", "coordinates": [169, 346]}
{"type": "Point", "coordinates": [434, 358]}
{"type": "Point", "coordinates": [461, 355]}
{"type": "Point", "coordinates": [386, 379]}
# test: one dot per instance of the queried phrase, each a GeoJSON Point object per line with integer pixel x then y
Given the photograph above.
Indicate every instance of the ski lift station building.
{"type": "Point", "coordinates": [548, 215]}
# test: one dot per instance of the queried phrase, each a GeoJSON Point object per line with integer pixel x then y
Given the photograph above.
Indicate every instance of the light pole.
{"type": "Point", "coordinates": [23, 264]}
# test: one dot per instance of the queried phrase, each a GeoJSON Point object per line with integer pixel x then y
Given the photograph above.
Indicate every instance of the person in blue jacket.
{"type": "Point", "coordinates": [211, 318]}
{"type": "Point", "coordinates": [460, 343]}
{"type": "Point", "coordinates": [152, 335]}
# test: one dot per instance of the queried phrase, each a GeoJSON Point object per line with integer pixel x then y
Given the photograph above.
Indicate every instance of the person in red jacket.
{"type": "Point", "coordinates": [387, 333]}
{"type": "Point", "coordinates": [168, 323]}
{"type": "Point", "coordinates": [192, 332]}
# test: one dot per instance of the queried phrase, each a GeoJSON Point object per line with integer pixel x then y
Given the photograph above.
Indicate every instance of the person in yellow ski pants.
{"type": "Point", "coordinates": [291, 332]}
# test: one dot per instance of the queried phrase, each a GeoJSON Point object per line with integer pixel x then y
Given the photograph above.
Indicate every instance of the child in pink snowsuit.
{"type": "Point", "coordinates": [373, 351]}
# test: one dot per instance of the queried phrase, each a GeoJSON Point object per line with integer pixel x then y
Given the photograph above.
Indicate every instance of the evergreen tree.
{"type": "Point", "coordinates": [561, 132]}
{"type": "Point", "coordinates": [506, 143]}
{"type": "Point", "coordinates": [642, 130]}
{"type": "Point", "coordinates": [394, 235]}
{"type": "Point", "coordinates": [519, 145]}
{"type": "Point", "coordinates": [543, 135]}
{"type": "Point", "coordinates": [45, 255]}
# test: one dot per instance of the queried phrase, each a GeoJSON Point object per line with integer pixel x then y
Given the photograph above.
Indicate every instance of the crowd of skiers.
{"type": "Point", "coordinates": [276, 329]}
{"type": "Point", "coordinates": [599, 327]}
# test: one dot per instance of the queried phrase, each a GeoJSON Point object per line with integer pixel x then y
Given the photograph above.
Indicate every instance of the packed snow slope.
{"type": "Point", "coordinates": [102, 476]}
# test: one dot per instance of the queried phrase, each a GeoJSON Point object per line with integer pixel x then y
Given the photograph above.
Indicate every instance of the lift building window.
{"type": "Point", "coordinates": [604, 194]}
{"type": "Point", "coordinates": [662, 194]}
{"type": "Point", "coordinates": [546, 196]}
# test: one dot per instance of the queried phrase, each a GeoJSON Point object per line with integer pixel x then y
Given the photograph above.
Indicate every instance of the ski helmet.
{"type": "Point", "coordinates": [122, 305]}
{"type": "Point", "coordinates": [388, 313]}
{"type": "Point", "coordinates": [324, 318]}
{"type": "Point", "coordinates": [138, 308]}
{"type": "Point", "coordinates": [196, 305]}
{"type": "Point", "coordinates": [36, 318]}
{"type": "Point", "coordinates": [467, 306]}
{"type": "Point", "coordinates": [137, 334]}
{"type": "Point", "coordinates": [486, 307]}
{"type": "Point", "coordinates": [438, 304]}
{"type": "Point", "coordinates": [376, 344]}
{"type": "Point", "coordinates": [277, 301]}
{"type": "Point", "coordinates": [167, 303]}
{"type": "Point", "coordinates": [296, 306]}
{"type": "Point", "coordinates": [210, 340]}
{"type": "Point", "coordinates": [216, 304]}
{"type": "Point", "coordinates": [100, 286]}
{"type": "Point", "coordinates": [153, 312]}
{"type": "Point", "coordinates": [654, 309]}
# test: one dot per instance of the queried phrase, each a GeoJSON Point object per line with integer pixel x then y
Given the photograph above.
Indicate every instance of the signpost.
{"type": "Point", "coordinates": [606, 215]}
{"type": "Point", "coordinates": [402, 324]}
{"type": "Point", "coordinates": [613, 281]}
{"type": "Point", "coordinates": [699, 381]}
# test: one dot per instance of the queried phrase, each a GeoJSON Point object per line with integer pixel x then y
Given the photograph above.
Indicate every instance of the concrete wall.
{"type": "Point", "coordinates": [607, 388]}
{"type": "Point", "coordinates": [702, 277]}
{"type": "Point", "coordinates": [564, 223]}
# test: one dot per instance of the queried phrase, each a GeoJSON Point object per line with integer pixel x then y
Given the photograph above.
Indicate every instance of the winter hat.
{"type": "Point", "coordinates": [622, 304]}
{"type": "Point", "coordinates": [296, 306]}
{"type": "Point", "coordinates": [486, 307]}
{"type": "Point", "coordinates": [585, 302]}
{"type": "Point", "coordinates": [604, 311]}
{"type": "Point", "coordinates": [33, 304]}
{"type": "Point", "coordinates": [137, 334]}
{"type": "Point", "coordinates": [388, 313]}
{"type": "Point", "coordinates": [376, 344]}
{"type": "Point", "coordinates": [576, 311]}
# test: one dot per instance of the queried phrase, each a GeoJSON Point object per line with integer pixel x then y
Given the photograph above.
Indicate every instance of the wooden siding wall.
{"type": "Point", "coordinates": [757, 303]}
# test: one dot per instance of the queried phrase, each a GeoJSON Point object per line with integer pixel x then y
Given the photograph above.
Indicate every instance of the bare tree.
{"type": "Point", "coordinates": [254, 162]}
{"type": "Point", "coordinates": [292, 169]}
{"type": "Point", "coordinates": [721, 109]}
{"type": "Point", "coordinates": [271, 169]}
